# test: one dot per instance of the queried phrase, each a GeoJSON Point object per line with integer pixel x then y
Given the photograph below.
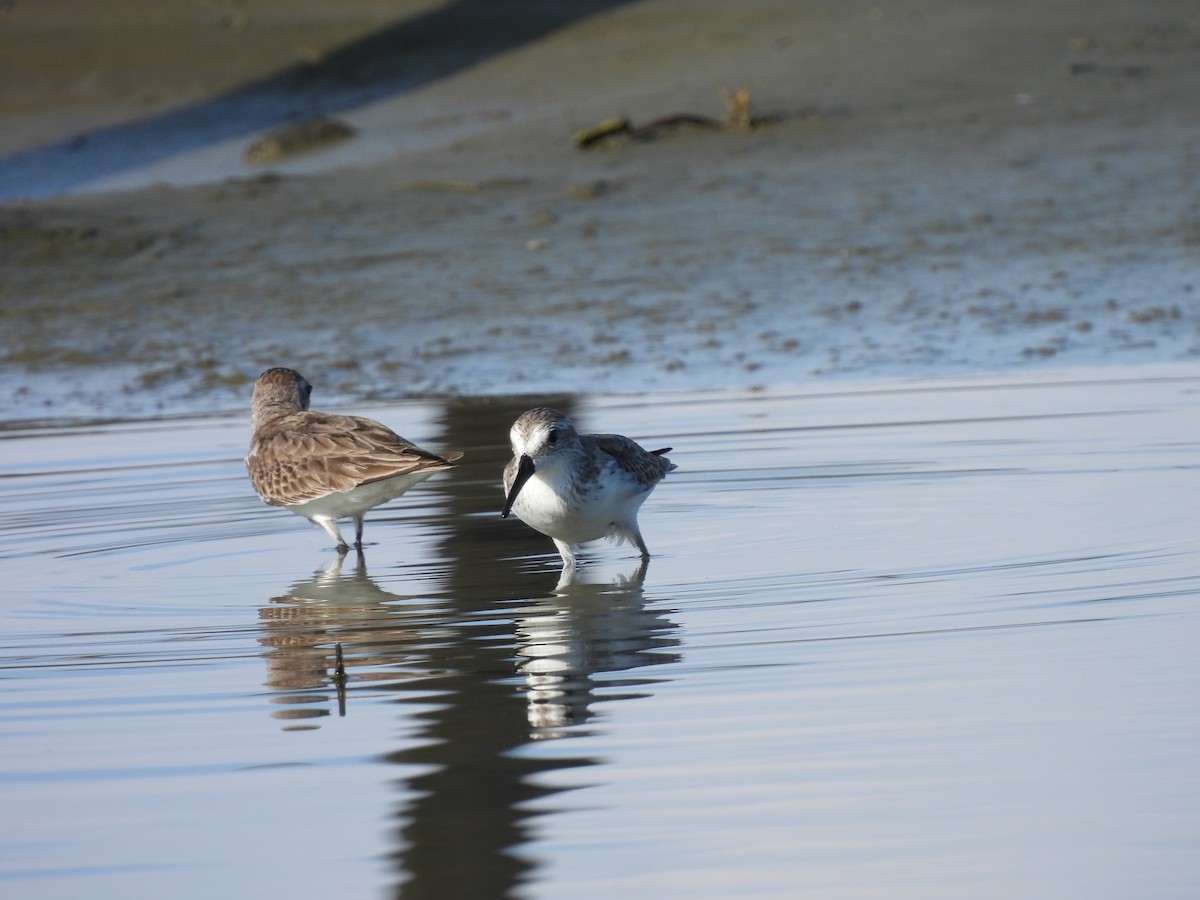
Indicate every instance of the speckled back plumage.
{"type": "Point", "coordinates": [302, 456]}
{"type": "Point", "coordinates": [648, 467]}
{"type": "Point", "coordinates": [298, 456]}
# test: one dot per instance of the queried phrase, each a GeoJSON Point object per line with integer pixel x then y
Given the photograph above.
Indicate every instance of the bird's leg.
{"type": "Point", "coordinates": [641, 545]}
{"type": "Point", "coordinates": [358, 529]}
{"type": "Point", "coordinates": [330, 526]}
{"type": "Point", "coordinates": [567, 552]}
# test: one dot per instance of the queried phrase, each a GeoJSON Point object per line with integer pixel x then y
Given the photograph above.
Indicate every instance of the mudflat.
{"type": "Point", "coordinates": [920, 187]}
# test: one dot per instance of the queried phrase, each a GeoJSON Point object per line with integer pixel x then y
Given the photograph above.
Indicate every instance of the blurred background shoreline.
{"type": "Point", "coordinates": [933, 189]}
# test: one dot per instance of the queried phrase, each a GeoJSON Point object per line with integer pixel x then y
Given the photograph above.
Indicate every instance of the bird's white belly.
{"type": "Point", "coordinates": [539, 506]}
{"type": "Point", "coordinates": [360, 499]}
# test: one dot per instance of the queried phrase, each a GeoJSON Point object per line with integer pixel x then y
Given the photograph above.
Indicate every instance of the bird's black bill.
{"type": "Point", "coordinates": [524, 470]}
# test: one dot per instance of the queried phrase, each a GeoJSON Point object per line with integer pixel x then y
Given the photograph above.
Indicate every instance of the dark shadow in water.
{"type": "Point", "coordinates": [506, 654]}
{"type": "Point", "coordinates": [399, 58]}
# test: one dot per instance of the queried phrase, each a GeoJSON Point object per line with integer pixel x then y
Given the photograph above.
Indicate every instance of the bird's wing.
{"type": "Point", "coordinates": [645, 467]}
{"type": "Point", "coordinates": [306, 456]}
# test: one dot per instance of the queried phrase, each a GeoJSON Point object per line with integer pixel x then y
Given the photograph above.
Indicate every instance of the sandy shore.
{"type": "Point", "coordinates": [935, 187]}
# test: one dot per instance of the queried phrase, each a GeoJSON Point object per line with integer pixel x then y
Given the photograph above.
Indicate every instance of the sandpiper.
{"type": "Point", "coordinates": [578, 487]}
{"type": "Point", "coordinates": [327, 467]}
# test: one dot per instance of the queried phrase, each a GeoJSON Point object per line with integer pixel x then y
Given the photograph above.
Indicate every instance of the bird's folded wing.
{"type": "Point", "coordinates": [646, 468]}
{"type": "Point", "coordinates": [297, 464]}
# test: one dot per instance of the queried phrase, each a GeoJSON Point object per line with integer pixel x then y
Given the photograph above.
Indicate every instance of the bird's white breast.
{"type": "Point", "coordinates": [576, 514]}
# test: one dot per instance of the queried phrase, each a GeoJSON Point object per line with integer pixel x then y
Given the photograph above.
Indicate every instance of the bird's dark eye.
{"type": "Point", "coordinates": [553, 436]}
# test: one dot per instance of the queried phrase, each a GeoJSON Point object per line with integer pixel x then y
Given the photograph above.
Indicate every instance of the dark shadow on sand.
{"type": "Point", "coordinates": [404, 56]}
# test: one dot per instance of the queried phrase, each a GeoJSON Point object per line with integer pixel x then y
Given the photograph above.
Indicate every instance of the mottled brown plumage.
{"type": "Point", "coordinates": [325, 467]}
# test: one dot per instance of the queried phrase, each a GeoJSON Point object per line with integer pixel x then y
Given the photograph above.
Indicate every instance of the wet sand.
{"type": "Point", "coordinates": [938, 188]}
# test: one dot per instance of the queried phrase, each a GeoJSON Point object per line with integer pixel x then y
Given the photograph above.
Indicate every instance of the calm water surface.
{"type": "Point", "coordinates": [907, 640]}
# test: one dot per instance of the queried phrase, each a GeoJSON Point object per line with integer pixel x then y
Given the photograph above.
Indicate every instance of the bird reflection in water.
{"type": "Point", "coordinates": [467, 794]}
{"type": "Point", "coordinates": [331, 620]}
{"type": "Point", "coordinates": [571, 642]}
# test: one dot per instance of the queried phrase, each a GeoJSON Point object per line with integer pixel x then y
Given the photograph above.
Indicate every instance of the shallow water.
{"type": "Point", "coordinates": [910, 640]}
